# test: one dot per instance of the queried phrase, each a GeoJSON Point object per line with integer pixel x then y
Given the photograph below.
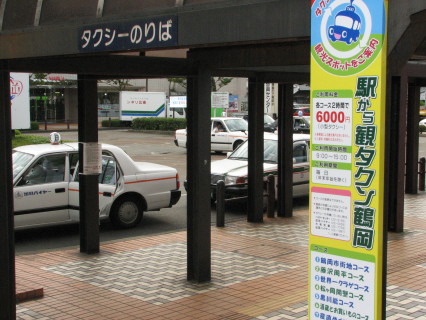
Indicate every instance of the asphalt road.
{"type": "Point", "coordinates": [148, 147]}
{"type": "Point", "coordinates": [157, 148]}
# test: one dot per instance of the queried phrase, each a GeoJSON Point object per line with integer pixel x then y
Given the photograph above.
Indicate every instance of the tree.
{"type": "Point", "coordinates": [38, 78]}
{"type": "Point", "coordinates": [220, 82]}
{"type": "Point", "coordinates": [120, 84]}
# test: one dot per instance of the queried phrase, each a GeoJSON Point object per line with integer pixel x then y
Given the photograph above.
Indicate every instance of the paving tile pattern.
{"type": "Point", "coordinates": [293, 234]}
{"type": "Point", "coordinates": [403, 303]}
{"type": "Point", "coordinates": [24, 313]}
{"type": "Point", "coordinates": [259, 272]}
{"type": "Point", "coordinates": [413, 205]}
{"type": "Point", "coordinates": [296, 311]}
{"type": "Point", "coordinates": [158, 274]}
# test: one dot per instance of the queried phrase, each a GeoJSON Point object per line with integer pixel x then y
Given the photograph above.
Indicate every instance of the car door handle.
{"type": "Point", "coordinates": [107, 194]}
{"type": "Point", "coordinates": [59, 190]}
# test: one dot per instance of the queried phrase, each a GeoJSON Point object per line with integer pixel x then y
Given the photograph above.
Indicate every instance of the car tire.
{"type": "Point", "coordinates": [126, 212]}
{"type": "Point", "coordinates": [236, 144]}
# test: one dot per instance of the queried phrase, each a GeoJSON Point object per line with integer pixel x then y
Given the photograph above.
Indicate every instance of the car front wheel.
{"type": "Point", "coordinates": [126, 212]}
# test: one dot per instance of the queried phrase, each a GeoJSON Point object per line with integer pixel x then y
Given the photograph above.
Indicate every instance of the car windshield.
{"type": "Point", "coordinates": [267, 119]}
{"type": "Point", "coordinates": [270, 152]}
{"type": "Point", "coordinates": [236, 125]}
{"type": "Point", "coordinates": [20, 161]}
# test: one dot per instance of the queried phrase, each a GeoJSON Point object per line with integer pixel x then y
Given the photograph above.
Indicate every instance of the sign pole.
{"type": "Point", "coordinates": [348, 95]}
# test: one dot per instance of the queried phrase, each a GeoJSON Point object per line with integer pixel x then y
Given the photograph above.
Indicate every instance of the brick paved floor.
{"type": "Point", "coordinates": [259, 271]}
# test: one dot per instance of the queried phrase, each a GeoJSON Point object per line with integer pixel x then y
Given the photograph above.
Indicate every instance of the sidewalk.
{"type": "Point", "coordinates": [259, 271]}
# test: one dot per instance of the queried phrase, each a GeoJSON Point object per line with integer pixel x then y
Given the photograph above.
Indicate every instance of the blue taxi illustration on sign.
{"type": "Point", "coordinates": [346, 26]}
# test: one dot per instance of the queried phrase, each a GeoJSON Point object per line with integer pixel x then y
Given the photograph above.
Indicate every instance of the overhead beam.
{"type": "Point", "coordinates": [106, 65]}
{"type": "Point", "coordinates": [265, 76]}
{"type": "Point", "coordinates": [415, 70]}
{"type": "Point", "coordinates": [261, 55]}
{"type": "Point", "coordinates": [412, 39]}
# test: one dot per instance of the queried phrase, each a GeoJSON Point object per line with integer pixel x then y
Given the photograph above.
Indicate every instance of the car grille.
{"type": "Point", "coordinates": [215, 178]}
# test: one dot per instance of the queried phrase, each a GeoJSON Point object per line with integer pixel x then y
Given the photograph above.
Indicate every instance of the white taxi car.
{"type": "Point", "coordinates": [234, 169]}
{"type": "Point", "coordinates": [227, 133]}
{"type": "Point", "coordinates": [46, 187]}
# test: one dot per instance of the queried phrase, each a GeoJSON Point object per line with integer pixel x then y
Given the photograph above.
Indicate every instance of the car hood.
{"type": "Point", "coordinates": [236, 168]}
{"type": "Point", "coordinates": [143, 167]}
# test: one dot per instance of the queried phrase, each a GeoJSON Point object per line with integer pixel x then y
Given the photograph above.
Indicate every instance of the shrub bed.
{"type": "Point", "coordinates": [115, 123]}
{"type": "Point", "coordinates": [163, 124]}
{"type": "Point", "coordinates": [34, 125]}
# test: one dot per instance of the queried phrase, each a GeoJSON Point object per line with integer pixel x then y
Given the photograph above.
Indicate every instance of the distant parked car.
{"type": "Point", "coordinates": [300, 125]}
{"type": "Point", "coordinates": [268, 122]}
{"type": "Point", "coordinates": [301, 111]}
{"type": "Point", "coordinates": [422, 125]}
{"type": "Point", "coordinates": [46, 186]}
{"type": "Point", "coordinates": [234, 169]}
{"type": "Point", "coordinates": [227, 134]}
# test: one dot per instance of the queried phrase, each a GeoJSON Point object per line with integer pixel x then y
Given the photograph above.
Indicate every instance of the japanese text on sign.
{"type": "Point", "coordinates": [158, 32]}
{"type": "Point", "coordinates": [337, 64]}
{"type": "Point", "coordinates": [332, 138]}
{"type": "Point", "coordinates": [92, 158]}
{"type": "Point", "coordinates": [365, 142]}
{"type": "Point", "coordinates": [343, 288]}
{"type": "Point", "coordinates": [331, 213]}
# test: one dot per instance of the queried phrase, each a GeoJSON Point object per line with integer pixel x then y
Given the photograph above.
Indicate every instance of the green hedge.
{"type": "Point", "coordinates": [116, 123]}
{"type": "Point", "coordinates": [163, 124]}
{"type": "Point", "coordinates": [34, 125]}
{"type": "Point", "coordinates": [422, 128]}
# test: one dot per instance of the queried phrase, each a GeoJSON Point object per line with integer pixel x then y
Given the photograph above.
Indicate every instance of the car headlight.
{"type": "Point", "coordinates": [234, 180]}
{"type": "Point", "coordinates": [230, 180]}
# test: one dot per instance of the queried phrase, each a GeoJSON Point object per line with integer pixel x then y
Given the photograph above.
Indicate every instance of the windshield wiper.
{"type": "Point", "coordinates": [238, 158]}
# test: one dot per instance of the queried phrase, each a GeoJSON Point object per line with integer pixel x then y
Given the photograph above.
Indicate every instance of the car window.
{"type": "Point", "coordinates": [267, 119]}
{"type": "Point", "coordinates": [73, 159]}
{"type": "Point", "coordinates": [47, 169]}
{"type": "Point", "coordinates": [109, 171]}
{"type": "Point", "coordinates": [218, 126]}
{"type": "Point", "coordinates": [300, 123]}
{"type": "Point", "coordinates": [179, 111]}
{"type": "Point", "coordinates": [236, 125]}
{"type": "Point", "coordinates": [270, 152]}
{"type": "Point", "coordinates": [300, 153]}
{"type": "Point", "coordinates": [20, 161]}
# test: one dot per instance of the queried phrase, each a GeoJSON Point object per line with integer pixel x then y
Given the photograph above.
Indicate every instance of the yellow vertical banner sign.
{"type": "Point", "coordinates": [348, 93]}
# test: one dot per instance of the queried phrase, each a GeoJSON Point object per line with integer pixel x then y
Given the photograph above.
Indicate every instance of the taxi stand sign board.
{"type": "Point", "coordinates": [348, 83]}
{"type": "Point", "coordinates": [92, 158]}
{"type": "Point", "coordinates": [20, 100]}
